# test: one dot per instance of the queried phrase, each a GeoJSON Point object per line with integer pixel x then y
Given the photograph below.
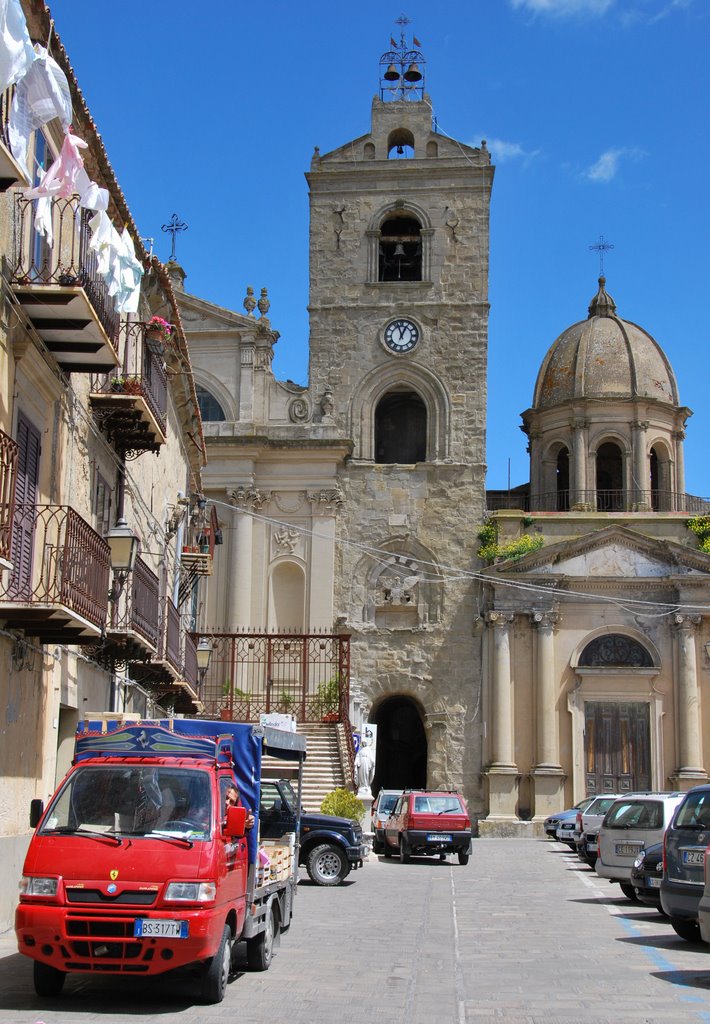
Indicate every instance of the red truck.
{"type": "Point", "coordinates": [140, 865]}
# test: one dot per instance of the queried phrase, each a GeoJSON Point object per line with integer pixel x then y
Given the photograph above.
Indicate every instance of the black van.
{"type": "Point", "coordinates": [686, 839]}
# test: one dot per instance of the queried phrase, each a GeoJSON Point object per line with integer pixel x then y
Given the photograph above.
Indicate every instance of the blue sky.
{"type": "Point", "coordinates": [596, 112]}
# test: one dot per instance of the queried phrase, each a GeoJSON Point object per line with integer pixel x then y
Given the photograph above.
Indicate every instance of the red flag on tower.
{"type": "Point", "coordinates": [392, 42]}
{"type": "Point", "coordinates": [416, 41]}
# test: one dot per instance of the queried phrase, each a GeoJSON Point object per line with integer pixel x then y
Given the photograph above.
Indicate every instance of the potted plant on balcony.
{"type": "Point", "coordinates": [157, 335]}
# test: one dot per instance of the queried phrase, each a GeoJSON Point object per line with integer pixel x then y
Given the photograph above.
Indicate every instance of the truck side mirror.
{"type": "Point", "coordinates": [36, 812]}
{"type": "Point", "coordinates": [235, 824]}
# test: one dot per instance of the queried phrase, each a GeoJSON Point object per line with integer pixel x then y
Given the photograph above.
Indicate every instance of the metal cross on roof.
{"type": "Point", "coordinates": [173, 226]}
{"type": "Point", "coordinates": [601, 247]}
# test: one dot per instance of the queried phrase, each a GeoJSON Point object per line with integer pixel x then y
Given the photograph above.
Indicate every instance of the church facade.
{"type": "Point", "coordinates": [353, 506]}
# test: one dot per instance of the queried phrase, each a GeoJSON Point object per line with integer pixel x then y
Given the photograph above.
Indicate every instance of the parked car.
{"type": "Point", "coordinates": [587, 827]}
{"type": "Point", "coordinates": [381, 810]}
{"type": "Point", "coordinates": [632, 823]}
{"type": "Point", "coordinates": [560, 822]}
{"type": "Point", "coordinates": [646, 876]}
{"type": "Point", "coordinates": [428, 822]}
{"type": "Point", "coordinates": [686, 838]}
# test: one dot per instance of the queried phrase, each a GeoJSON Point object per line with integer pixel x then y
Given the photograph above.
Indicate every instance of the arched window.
{"type": "Point", "coordinates": [400, 428]}
{"type": "Point", "coordinates": [662, 497]}
{"type": "Point", "coordinates": [563, 480]}
{"type": "Point", "coordinates": [400, 249]}
{"type": "Point", "coordinates": [400, 144]}
{"type": "Point", "coordinates": [610, 478]}
{"type": "Point", "coordinates": [614, 650]}
{"type": "Point", "coordinates": [210, 409]}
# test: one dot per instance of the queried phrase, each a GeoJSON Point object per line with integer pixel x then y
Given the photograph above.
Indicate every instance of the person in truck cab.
{"type": "Point", "coordinates": [232, 799]}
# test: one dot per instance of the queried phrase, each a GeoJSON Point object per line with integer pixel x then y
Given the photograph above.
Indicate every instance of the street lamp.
{"type": "Point", "coordinates": [124, 549]}
{"type": "Point", "coordinates": [204, 654]}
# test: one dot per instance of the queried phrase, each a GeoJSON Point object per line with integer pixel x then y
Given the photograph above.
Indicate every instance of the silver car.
{"type": "Point", "coordinates": [631, 824]}
{"type": "Point", "coordinates": [381, 810]}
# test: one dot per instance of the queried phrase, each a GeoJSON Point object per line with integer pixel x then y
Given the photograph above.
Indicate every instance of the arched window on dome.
{"type": "Point", "coordinates": [610, 478]}
{"type": "Point", "coordinates": [562, 480]}
{"type": "Point", "coordinates": [400, 429]}
{"type": "Point", "coordinates": [400, 250]}
{"type": "Point", "coordinates": [210, 409]}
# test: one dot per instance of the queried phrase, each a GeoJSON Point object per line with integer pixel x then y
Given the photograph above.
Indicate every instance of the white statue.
{"type": "Point", "coordinates": [365, 763]}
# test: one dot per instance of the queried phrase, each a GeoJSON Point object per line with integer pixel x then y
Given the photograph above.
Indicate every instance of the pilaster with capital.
{"type": "Point", "coordinates": [548, 775]}
{"type": "Point", "coordinates": [690, 759]}
{"type": "Point", "coordinates": [641, 467]}
{"type": "Point", "coordinates": [244, 498]}
{"type": "Point", "coordinates": [501, 691]}
{"type": "Point", "coordinates": [579, 496]}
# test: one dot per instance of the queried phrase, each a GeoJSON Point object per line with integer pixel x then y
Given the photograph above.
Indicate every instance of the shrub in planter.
{"type": "Point", "coordinates": [344, 804]}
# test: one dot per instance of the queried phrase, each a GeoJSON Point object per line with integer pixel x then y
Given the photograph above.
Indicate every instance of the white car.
{"type": "Point", "coordinates": [631, 824]}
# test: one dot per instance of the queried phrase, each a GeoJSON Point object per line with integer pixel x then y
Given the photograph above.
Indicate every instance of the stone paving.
{"type": "Point", "coordinates": [524, 934]}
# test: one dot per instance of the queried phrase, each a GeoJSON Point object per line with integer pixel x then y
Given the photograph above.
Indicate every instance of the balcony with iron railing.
{"type": "Point", "coordinates": [58, 587]}
{"type": "Point", "coordinates": [10, 170]}
{"type": "Point", "coordinates": [60, 288]}
{"type": "Point", "coordinates": [131, 402]}
{"type": "Point", "coordinates": [8, 477]}
{"type": "Point", "coordinates": [616, 501]}
{"type": "Point", "coordinates": [134, 620]}
{"type": "Point", "coordinates": [197, 556]}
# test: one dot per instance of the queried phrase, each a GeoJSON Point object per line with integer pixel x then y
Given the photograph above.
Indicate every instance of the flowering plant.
{"type": "Point", "coordinates": [156, 323]}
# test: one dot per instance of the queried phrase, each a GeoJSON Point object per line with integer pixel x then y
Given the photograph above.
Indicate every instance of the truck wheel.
{"type": "Point", "coordinates": [327, 865]}
{"type": "Point", "coordinates": [216, 971]}
{"type": "Point", "coordinates": [463, 857]}
{"type": "Point", "coordinates": [48, 980]}
{"type": "Point", "coordinates": [260, 949]}
{"type": "Point", "coordinates": [403, 850]}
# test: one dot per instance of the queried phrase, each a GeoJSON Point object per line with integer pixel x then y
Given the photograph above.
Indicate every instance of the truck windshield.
{"type": "Point", "coordinates": [133, 800]}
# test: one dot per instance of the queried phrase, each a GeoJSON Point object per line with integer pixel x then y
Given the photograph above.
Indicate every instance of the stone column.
{"type": "Point", "coordinates": [678, 484]}
{"type": "Point", "coordinates": [579, 498]}
{"type": "Point", "coordinates": [641, 469]}
{"type": "Point", "coordinates": [690, 769]}
{"type": "Point", "coordinates": [240, 583]}
{"type": "Point", "coordinates": [325, 505]}
{"type": "Point", "coordinates": [548, 777]}
{"type": "Point", "coordinates": [502, 772]}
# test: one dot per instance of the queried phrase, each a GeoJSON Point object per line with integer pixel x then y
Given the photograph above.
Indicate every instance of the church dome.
{"type": "Point", "coordinates": [604, 357]}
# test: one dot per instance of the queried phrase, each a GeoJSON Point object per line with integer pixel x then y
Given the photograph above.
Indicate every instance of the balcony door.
{"type": "Point", "coordinates": [617, 746]}
{"type": "Point", "coordinates": [23, 533]}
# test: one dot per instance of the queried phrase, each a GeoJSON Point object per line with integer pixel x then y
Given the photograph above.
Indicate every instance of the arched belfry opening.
{"type": "Point", "coordinates": [610, 478]}
{"type": "Point", "coordinates": [401, 746]}
{"type": "Point", "coordinates": [400, 249]}
{"type": "Point", "coordinates": [400, 428]}
{"type": "Point", "coordinates": [400, 144]}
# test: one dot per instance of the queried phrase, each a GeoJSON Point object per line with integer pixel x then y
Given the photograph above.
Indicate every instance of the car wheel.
{"type": "Point", "coordinates": [404, 853]}
{"type": "Point", "coordinates": [688, 930]}
{"type": "Point", "coordinates": [463, 857]}
{"type": "Point", "coordinates": [47, 979]}
{"type": "Point", "coordinates": [629, 892]}
{"type": "Point", "coordinates": [216, 971]}
{"type": "Point", "coordinates": [376, 846]}
{"type": "Point", "coordinates": [387, 850]}
{"type": "Point", "coordinates": [327, 865]}
{"type": "Point", "coordinates": [260, 949]}
{"type": "Point", "coordinates": [442, 856]}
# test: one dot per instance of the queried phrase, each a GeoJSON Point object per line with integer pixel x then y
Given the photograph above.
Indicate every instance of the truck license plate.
{"type": "Point", "coordinates": [155, 928]}
{"type": "Point", "coordinates": [627, 849]}
{"type": "Point", "coordinates": [694, 857]}
{"type": "Point", "coordinates": [438, 838]}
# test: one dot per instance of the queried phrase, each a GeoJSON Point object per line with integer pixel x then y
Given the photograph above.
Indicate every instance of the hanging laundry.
{"type": "Point", "coordinates": [130, 276]}
{"type": "Point", "coordinates": [16, 50]}
{"type": "Point", "coordinates": [61, 178]}
{"type": "Point", "coordinates": [41, 95]}
{"type": "Point", "coordinates": [43, 219]}
{"type": "Point", "coordinates": [91, 197]}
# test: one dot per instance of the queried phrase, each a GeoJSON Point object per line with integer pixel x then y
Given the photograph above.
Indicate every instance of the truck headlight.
{"type": "Point", "coordinates": [32, 886]}
{"type": "Point", "coordinates": [191, 892]}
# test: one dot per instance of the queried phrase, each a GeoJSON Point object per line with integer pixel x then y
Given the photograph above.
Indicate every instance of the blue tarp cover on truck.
{"type": "Point", "coordinates": [192, 737]}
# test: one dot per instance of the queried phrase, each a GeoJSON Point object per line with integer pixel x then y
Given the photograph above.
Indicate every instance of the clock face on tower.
{"type": "Point", "coordinates": [401, 335]}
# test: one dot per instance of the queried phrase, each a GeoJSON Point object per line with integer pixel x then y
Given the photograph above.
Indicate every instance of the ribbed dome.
{"type": "Point", "coordinates": [604, 357]}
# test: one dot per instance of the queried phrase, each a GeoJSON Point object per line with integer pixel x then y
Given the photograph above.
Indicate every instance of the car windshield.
{"type": "Point", "coordinates": [436, 805]}
{"type": "Point", "coordinates": [386, 803]}
{"type": "Point", "coordinates": [635, 814]}
{"type": "Point", "coordinates": [133, 800]}
{"type": "Point", "coordinates": [601, 805]}
{"type": "Point", "coordinates": [695, 811]}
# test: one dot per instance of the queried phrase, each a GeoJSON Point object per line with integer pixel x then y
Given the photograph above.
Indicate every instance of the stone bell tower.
{"type": "Point", "coordinates": [399, 237]}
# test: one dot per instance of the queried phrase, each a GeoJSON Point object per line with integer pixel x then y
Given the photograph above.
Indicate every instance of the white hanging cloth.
{"type": "Point", "coordinates": [130, 274]}
{"type": "Point", "coordinates": [16, 50]}
{"type": "Point", "coordinates": [41, 95]}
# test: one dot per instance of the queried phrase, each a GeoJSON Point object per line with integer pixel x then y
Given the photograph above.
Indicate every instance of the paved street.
{"type": "Point", "coordinates": [523, 933]}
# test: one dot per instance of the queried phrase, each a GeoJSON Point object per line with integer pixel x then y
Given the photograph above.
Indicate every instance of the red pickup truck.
{"type": "Point", "coordinates": [138, 865]}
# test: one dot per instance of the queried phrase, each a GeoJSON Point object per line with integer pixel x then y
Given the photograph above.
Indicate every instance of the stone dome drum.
{"type": "Point", "coordinates": [604, 357]}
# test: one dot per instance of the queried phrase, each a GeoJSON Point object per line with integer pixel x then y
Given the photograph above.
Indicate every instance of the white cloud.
{"type": "Point", "coordinates": [501, 151]}
{"type": "Point", "coordinates": [563, 7]}
{"type": "Point", "coordinates": [606, 167]}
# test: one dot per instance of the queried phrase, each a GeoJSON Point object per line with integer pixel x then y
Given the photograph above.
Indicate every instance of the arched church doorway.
{"type": "Point", "coordinates": [401, 761]}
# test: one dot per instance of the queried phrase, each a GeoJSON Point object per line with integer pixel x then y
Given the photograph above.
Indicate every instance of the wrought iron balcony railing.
{"type": "Point", "coordinates": [59, 285]}
{"type": "Point", "coordinates": [59, 584]}
{"type": "Point", "coordinates": [134, 624]}
{"type": "Point", "coordinates": [131, 402]}
{"type": "Point", "coordinates": [598, 501]}
{"type": "Point", "coordinates": [8, 476]}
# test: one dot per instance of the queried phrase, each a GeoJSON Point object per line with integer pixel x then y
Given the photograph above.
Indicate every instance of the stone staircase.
{"type": "Point", "coordinates": [323, 770]}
